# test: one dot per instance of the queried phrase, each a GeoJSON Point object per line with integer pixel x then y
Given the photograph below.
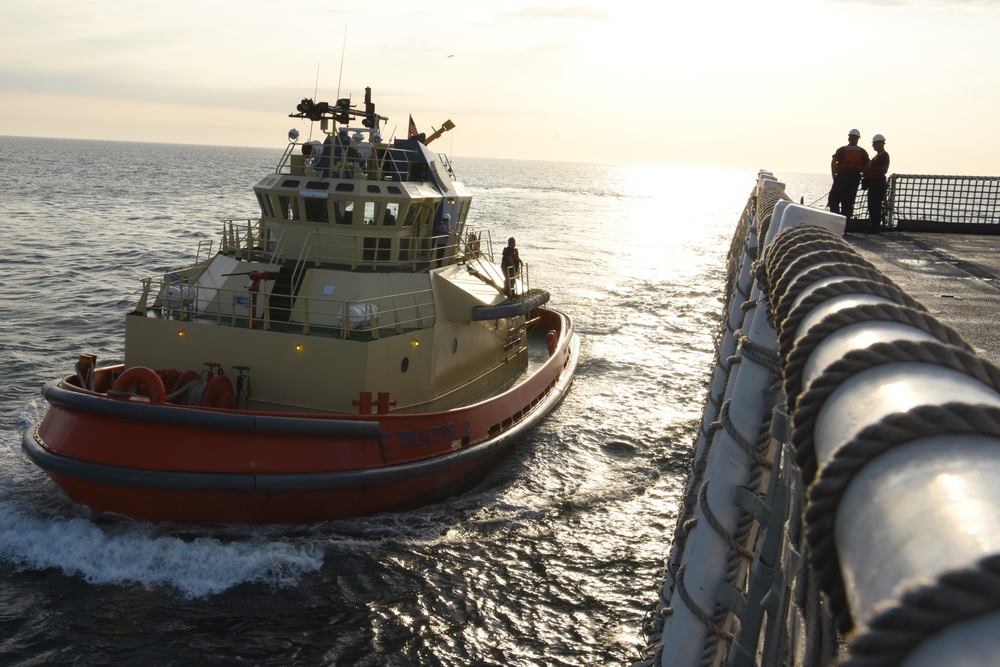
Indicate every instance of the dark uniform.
{"type": "Point", "coordinates": [876, 181]}
{"type": "Point", "coordinates": [849, 162]}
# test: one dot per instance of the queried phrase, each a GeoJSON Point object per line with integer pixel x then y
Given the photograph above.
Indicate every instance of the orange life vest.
{"type": "Point", "coordinates": [854, 159]}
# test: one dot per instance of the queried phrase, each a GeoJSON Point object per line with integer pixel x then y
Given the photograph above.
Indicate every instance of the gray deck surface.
{"type": "Point", "coordinates": [956, 276]}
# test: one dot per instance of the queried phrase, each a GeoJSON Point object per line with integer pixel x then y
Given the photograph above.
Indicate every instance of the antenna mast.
{"type": "Point", "coordinates": [343, 50]}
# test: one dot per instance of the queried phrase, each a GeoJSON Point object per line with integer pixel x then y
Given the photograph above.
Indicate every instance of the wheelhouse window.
{"type": "Point", "coordinates": [288, 207]}
{"type": "Point", "coordinates": [411, 215]}
{"type": "Point", "coordinates": [369, 218]}
{"type": "Point", "coordinates": [265, 205]}
{"type": "Point", "coordinates": [391, 214]}
{"type": "Point", "coordinates": [343, 212]}
{"type": "Point", "coordinates": [315, 209]}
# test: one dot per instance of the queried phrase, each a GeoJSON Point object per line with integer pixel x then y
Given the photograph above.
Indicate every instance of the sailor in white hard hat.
{"type": "Point", "coordinates": [875, 180]}
{"type": "Point", "coordinates": [846, 167]}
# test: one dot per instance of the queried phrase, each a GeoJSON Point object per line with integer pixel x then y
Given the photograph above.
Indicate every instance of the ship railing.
{"type": "Point", "coordinates": [177, 296]}
{"type": "Point", "coordinates": [381, 162]}
{"type": "Point", "coordinates": [242, 238]}
{"type": "Point", "coordinates": [476, 250]}
{"type": "Point", "coordinates": [927, 203]}
{"type": "Point", "coordinates": [383, 250]}
{"type": "Point", "coordinates": [204, 252]}
{"type": "Point", "coordinates": [447, 165]}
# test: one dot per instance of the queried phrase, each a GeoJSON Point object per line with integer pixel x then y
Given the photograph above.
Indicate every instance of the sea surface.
{"type": "Point", "coordinates": [552, 560]}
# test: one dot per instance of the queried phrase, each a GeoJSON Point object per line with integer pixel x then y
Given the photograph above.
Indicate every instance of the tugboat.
{"type": "Point", "coordinates": [354, 350]}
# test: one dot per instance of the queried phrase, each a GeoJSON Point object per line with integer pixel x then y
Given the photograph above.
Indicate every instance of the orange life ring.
{"type": "Point", "coordinates": [146, 383]}
{"type": "Point", "coordinates": [219, 393]}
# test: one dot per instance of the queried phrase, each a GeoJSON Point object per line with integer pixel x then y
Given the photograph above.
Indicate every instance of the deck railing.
{"type": "Point", "coordinates": [924, 203]}
{"type": "Point", "coordinates": [173, 297]}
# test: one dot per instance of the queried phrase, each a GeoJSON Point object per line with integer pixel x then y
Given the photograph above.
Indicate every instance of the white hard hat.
{"type": "Point", "coordinates": [878, 137]}
{"type": "Point", "coordinates": [446, 217]}
{"type": "Point", "coordinates": [854, 133]}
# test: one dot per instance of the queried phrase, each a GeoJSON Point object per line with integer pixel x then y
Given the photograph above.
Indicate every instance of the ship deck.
{"type": "Point", "coordinates": [956, 276]}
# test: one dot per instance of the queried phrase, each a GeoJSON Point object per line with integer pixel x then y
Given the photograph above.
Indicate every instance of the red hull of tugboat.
{"type": "Point", "coordinates": [203, 465]}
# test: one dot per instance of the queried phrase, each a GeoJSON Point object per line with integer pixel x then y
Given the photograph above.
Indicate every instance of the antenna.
{"type": "Point", "coordinates": [342, 51]}
{"type": "Point", "coordinates": [315, 93]}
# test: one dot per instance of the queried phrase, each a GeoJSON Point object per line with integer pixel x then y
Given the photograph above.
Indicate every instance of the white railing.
{"type": "Point", "coordinates": [170, 297]}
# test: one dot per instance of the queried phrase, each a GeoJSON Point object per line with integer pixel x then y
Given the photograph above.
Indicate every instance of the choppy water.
{"type": "Point", "coordinates": [552, 560]}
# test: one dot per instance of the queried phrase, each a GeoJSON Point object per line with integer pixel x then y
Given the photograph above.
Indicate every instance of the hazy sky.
{"type": "Point", "coordinates": [774, 84]}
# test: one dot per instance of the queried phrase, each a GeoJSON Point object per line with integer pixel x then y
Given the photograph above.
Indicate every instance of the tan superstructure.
{"type": "Point", "coordinates": [361, 275]}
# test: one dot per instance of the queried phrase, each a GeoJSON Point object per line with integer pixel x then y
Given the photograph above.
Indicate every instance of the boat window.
{"type": "Point", "coordinates": [343, 212]}
{"type": "Point", "coordinates": [369, 213]}
{"type": "Point", "coordinates": [391, 214]}
{"type": "Point", "coordinates": [394, 190]}
{"type": "Point", "coordinates": [378, 249]}
{"type": "Point", "coordinates": [315, 209]}
{"type": "Point", "coordinates": [411, 216]}
{"type": "Point", "coordinates": [375, 189]}
{"type": "Point", "coordinates": [318, 185]}
{"type": "Point", "coordinates": [265, 205]}
{"type": "Point", "coordinates": [287, 206]}
{"type": "Point", "coordinates": [345, 187]}
{"type": "Point", "coordinates": [290, 184]}
{"type": "Point", "coordinates": [405, 365]}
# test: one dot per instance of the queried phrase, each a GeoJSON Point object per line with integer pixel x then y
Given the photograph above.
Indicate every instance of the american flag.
{"type": "Point", "coordinates": [413, 128]}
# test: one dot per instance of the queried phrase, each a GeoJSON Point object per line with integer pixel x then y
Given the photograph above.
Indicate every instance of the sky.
{"type": "Point", "coordinates": [772, 84]}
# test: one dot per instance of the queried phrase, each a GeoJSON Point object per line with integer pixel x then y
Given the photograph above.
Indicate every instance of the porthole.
{"type": "Point", "coordinates": [454, 345]}
{"type": "Point", "coordinates": [406, 364]}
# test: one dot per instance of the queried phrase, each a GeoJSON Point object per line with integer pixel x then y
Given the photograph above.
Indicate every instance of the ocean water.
{"type": "Point", "coordinates": [552, 560]}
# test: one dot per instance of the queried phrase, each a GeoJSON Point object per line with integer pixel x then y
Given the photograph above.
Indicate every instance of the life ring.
{"type": "Point", "coordinates": [146, 384]}
{"type": "Point", "coordinates": [219, 393]}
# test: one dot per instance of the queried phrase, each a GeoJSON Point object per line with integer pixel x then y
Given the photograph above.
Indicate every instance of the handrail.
{"type": "Point", "coordinates": [378, 165]}
{"type": "Point", "coordinates": [922, 202]}
{"type": "Point", "coordinates": [347, 248]}
{"type": "Point", "coordinates": [390, 314]}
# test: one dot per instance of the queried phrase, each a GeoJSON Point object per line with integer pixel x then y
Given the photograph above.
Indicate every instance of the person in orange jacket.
{"type": "Point", "coordinates": [846, 167]}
